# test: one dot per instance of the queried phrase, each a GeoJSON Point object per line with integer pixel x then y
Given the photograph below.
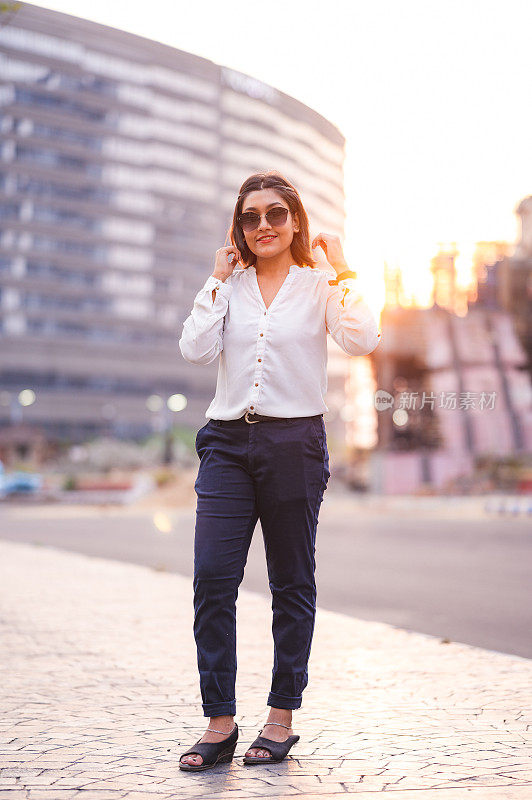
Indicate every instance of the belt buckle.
{"type": "Point", "coordinates": [250, 421]}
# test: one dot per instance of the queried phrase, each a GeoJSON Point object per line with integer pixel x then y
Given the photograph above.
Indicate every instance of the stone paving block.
{"type": "Point", "coordinates": [100, 691]}
{"type": "Point", "coordinates": [51, 794]}
{"type": "Point", "coordinates": [13, 794]}
{"type": "Point", "coordinates": [500, 793]}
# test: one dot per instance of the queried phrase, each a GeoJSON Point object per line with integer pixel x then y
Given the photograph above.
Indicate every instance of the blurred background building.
{"type": "Point", "coordinates": [459, 372]}
{"type": "Point", "coordinates": [120, 162]}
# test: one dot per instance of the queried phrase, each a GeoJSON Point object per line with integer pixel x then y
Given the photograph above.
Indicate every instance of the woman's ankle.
{"type": "Point", "coordinates": [280, 715]}
{"type": "Point", "coordinates": [223, 722]}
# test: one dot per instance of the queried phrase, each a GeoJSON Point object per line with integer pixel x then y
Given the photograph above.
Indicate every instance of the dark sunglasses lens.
{"type": "Point", "coordinates": [277, 216]}
{"type": "Point", "coordinates": [249, 221]}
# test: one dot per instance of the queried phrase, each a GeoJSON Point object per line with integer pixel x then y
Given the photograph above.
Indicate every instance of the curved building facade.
{"type": "Point", "coordinates": [120, 161]}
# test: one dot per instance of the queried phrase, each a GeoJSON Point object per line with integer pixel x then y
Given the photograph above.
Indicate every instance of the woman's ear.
{"type": "Point", "coordinates": [296, 222]}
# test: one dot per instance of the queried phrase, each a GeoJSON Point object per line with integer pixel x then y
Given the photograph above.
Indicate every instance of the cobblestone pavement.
{"type": "Point", "coordinates": [100, 695]}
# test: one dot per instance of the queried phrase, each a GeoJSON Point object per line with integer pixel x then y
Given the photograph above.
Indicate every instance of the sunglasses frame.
{"type": "Point", "coordinates": [259, 216]}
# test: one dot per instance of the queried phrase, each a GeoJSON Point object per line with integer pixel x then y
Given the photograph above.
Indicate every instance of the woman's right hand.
{"type": "Point", "coordinates": [226, 260]}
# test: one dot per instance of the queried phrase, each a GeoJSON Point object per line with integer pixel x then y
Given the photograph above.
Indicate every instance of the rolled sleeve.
{"type": "Point", "coordinates": [349, 319]}
{"type": "Point", "coordinates": [202, 336]}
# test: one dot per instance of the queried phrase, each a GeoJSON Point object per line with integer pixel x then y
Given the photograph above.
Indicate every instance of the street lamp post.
{"type": "Point", "coordinates": [174, 404]}
{"type": "Point", "coordinates": [17, 402]}
{"type": "Point", "coordinates": [163, 421]}
{"type": "Point", "coordinates": [167, 449]}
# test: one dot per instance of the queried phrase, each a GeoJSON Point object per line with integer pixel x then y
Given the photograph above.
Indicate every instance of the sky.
{"type": "Point", "coordinates": [432, 97]}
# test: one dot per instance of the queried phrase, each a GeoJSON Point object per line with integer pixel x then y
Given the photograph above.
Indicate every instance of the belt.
{"type": "Point", "coordinates": [259, 418]}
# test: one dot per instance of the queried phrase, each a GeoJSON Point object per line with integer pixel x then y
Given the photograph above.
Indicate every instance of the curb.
{"type": "Point", "coordinates": [509, 505]}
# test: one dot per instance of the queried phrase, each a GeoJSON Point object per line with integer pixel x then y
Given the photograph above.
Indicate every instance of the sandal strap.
{"type": "Point", "coordinates": [210, 750]}
{"type": "Point", "coordinates": [277, 749]}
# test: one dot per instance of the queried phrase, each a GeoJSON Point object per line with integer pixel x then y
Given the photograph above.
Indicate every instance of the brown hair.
{"type": "Point", "coordinates": [300, 247]}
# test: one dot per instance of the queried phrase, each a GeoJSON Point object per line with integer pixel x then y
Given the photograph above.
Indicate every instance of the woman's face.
{"type": "Point", "coordinates": [277, 239]}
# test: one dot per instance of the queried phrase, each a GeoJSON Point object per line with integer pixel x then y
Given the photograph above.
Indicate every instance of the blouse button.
{"type": "Point", "coordinates": [264, 313]}
{"type": "Point", "coordinates": [252, 407]}
{"type": "Point", "coordinates": [262, 334]}
{"type": "Point", "coordinates": [259, 359]}
{"type": "Point", "coordinates": [256, 384]}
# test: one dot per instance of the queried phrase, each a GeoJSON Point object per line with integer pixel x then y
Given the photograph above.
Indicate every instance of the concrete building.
{"type": "Point", "coordinates": [120, 161]}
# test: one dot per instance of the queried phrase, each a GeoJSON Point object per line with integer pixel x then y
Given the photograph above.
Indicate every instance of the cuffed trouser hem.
{"type": "Point", "coordinates": [217, 709]}
{"type": "Point", "coordinates": [280, 701]}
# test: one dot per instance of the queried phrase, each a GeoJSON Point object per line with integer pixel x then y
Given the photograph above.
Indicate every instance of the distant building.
{"type": "Point", "coordinates": [505, 280]}
{"type": "Point", "coordinates": [120, 161]}
{"type": "Point", "coordinates": [459, 393]}
{"type": "Point", "coordinates": [460, 385]}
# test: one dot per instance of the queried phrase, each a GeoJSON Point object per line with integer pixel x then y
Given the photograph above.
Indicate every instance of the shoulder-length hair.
{"type": "Point", "coordinates": [300, 247]}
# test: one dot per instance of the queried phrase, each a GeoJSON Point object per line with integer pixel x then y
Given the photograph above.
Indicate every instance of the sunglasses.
{"type": "Point", "coordinates": [250, 221]}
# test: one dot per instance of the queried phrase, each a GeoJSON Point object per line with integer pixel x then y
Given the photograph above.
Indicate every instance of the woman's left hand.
{"type": "Point", "coordinates": [332, 247]}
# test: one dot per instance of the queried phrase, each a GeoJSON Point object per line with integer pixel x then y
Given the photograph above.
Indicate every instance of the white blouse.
{"type": "Point", "coordinates": [273, 360]}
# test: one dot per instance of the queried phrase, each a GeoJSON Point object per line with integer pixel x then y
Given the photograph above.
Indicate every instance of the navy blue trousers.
{"type": "Point", "coordinates": [275, 471]}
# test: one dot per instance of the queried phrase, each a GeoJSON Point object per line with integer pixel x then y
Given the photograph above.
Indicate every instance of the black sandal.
{"type": "Point", "coordinates": [278, 750]}
{"type": "Point", "coordinates": [212, 753]}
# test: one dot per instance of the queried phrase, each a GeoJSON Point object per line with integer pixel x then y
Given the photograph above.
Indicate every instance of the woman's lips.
{"type": "Point", "coordinates": [267, 239]}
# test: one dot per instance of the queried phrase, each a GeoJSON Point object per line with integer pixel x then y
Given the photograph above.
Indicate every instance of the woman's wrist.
{"type": "Point", "coordinates": [339, 265]}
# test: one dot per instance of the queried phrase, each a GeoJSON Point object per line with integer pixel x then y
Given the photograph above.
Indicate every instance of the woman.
{"type": "Point", "coordinates": [263, 452]}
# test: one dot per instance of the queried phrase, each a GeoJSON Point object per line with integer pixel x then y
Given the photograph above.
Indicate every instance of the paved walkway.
{"type": "Point", "coordinates": [99, 695]}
